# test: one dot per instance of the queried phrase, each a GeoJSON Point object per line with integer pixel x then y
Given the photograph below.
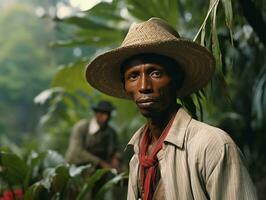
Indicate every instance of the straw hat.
{"type": "Point", "coordinates": [158, 37]}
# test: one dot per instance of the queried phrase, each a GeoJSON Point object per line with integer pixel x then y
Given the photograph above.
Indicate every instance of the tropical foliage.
{"type": "Point", "coordinates": [46, 176]}
{"type": "Point", "coordinates": [234, 101]}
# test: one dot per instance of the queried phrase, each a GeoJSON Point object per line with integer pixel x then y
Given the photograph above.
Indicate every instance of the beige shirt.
{"type": "Point", "coordinates": [197, 161]}
{"type": "Point", "coordinates": [159, 193]}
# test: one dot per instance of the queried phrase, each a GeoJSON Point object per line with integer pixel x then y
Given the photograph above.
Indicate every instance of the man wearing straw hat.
{"type": "Point", "coordinates": [176, 157]}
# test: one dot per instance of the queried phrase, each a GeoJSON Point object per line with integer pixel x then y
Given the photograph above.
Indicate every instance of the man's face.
{"type": "Point", "coordinates": [150, 86]}
{"type": "Point", "coordinates": [102, 118]}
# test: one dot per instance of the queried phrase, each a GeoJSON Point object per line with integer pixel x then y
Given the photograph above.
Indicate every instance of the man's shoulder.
{"type": "Point", "coordinates": [200, 133]}
{"type": "Point", "coordinates": [81, 124]}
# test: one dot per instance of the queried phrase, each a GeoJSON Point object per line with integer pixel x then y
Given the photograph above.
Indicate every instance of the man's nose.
{"type": "Point", "coordinates": [145, 85]}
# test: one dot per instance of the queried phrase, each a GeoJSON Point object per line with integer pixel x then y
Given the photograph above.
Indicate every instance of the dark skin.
{"type": "Point", "coordinates": [152, 89]}
{"type": "Point", "coordinates": [102, 118]}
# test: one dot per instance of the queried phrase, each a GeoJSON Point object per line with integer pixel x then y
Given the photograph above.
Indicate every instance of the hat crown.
{"type": "Point", "coordinates": [153, 30]}
{"type": "Point", "coordinates": [104, 106]}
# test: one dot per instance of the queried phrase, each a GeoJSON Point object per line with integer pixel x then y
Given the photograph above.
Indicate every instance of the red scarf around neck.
{"type": "Point", "coordinates": [150, 162]}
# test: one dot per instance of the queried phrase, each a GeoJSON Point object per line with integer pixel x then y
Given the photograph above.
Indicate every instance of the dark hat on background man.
{"type": "Point", "coordinates": [103, 106]}
{"type": "Point", "coordinates": [158, 37]}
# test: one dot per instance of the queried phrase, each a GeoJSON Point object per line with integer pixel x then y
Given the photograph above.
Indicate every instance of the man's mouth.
{"type": "Point", "coordinates": [145, 102]}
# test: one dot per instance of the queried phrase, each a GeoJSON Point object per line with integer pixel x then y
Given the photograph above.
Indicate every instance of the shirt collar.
{"type": "Point", "coordinates": [134, 141]}
{"type": "Point", "coordinates": [175, 136]}
{"type": "Point", "coordinates": [177, 132]}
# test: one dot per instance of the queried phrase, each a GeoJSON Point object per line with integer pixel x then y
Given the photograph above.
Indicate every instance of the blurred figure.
{"type": "Point", "coordinates": [93, 141]}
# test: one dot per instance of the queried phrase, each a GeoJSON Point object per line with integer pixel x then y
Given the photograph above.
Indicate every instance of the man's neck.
{"type": "Point", "coordinates": [158, 123]}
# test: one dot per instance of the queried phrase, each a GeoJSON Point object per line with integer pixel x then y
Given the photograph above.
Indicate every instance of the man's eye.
{"type": "Point", "coordinates": [156, 73]}
{"type": "Point", "coordinates": [132, 76]}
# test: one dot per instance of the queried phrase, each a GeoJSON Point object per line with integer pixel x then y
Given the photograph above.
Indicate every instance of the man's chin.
{"type": "Point", "coordinates": [147, 113]}
{"type": "Point", "coordinates": [151, 113]}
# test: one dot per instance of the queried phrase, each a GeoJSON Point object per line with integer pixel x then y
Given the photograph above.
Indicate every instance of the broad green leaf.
{"type": "Point", "coordinates": [106, 11]}
{"type": "Point", "coordinates": [15, 169]}
{"type": "Point", "coordinates": [77, 170]}
{"type": "Point", "coordinates": [64, 106]}
{"type": "Point", "coordinates": [167, 10]}
{"type": "Point", "coordinates": [34, 163]}
{"type": "Point", "coordinates": [69, 100]}
{"type": "Point", "coordinates": [60, 179]}
{"type": "Point", "coordinates": [53, 159]}
{"type": "Point", "coordinates": [93, 38]}
{"type": "Point", "coordinates": [227, 4]}
{"type": "Point", "coordinates": [100, 42]}
{"type": "Point", "coordinates": [99, 27]}
{"type": "Point", "coordinates": [84, 23]}
{"type": "Point", "coordinates": [72, 77]}
{"type": "Point", "coordinates": [115, 35]}
{"type": "Point", "coordinates": [89, 33]}
{"type": "Point", "coordinates": [173, 14]}
{"type": "Point", "coordinates": [9, 146]}
{"type": "Point", "coordinates": [81, 98]}
{"type": "Point", "coordinates": [48, 175]}
{"type": "Point", "coordinates": [67, 43]}
{"type": "Point", "coordinates": [109, 184]}
{"type": "Point", "coordinates": [47, 94]}
{"type": "Point", "coordinates": [215, 42]}
{"type": "Point", "coordinates": [51, 186]}
{"type": "Point", "coordinates": [90, 182]}
{"type": "Point", "coordinates": [56, 108]}
{"type": "Point", "coordinates": [35, 192]}
{"type": "Point", "coordinates": [213, 4]}
{"type": "Point", "coordinates": [142, 10]}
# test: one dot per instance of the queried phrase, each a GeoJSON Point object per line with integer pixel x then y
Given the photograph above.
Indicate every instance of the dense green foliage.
{"type": "Point", "coordinates": [46, 176]}
{"type": "Point", "coordinates": [20, 54]}
{"type": "Point", "coordinates": [234, 101]}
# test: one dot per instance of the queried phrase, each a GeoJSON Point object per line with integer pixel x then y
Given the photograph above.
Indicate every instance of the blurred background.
{"type": "Point", "coordinates": [45, 46]}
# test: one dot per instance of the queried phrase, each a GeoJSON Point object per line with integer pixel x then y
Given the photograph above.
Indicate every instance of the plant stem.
{"type": "Point", "coordinates": [205, 20]}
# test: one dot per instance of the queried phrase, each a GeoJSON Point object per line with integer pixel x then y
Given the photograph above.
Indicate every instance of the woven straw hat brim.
{"type": "Point", "coordinates": [103, 73]}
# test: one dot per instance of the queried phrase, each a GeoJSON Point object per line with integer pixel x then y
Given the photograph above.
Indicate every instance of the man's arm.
{"type": "Point", "coordinates": [227, 176]}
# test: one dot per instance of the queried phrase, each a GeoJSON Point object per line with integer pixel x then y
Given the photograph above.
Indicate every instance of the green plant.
{"type": "Point", "coordinates": [45, 175]}
{"type": "Point", "coordinates": [234, 101]}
